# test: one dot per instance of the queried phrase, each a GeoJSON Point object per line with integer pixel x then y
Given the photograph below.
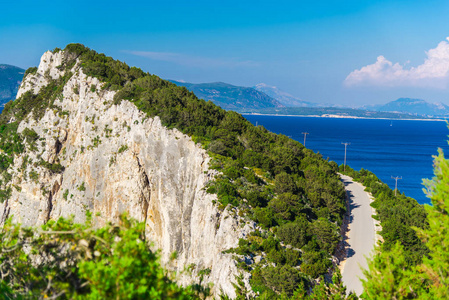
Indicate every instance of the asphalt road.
{"type": "Point", "coordinates": [360, 238]}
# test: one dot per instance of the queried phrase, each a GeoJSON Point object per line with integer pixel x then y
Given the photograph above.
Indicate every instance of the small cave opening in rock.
{"type": "Point", "coordinates": [58, 146]}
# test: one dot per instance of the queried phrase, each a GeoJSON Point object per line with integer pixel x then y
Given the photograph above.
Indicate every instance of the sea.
{"type": "Point", "coordinates": [388, 148]}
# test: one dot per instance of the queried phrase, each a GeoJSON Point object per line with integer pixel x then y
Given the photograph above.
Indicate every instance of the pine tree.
{"type": "Point", "coordinates": [436, 235]}
{"type": "Point", "coordinates": [390, 277]}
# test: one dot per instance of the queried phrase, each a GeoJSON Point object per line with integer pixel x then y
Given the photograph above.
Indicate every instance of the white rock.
{"type": "Point", "coordinates": [116, 160]}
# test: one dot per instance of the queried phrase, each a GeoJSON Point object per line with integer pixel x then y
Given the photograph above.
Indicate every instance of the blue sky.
{"type": "Point", "coordinates": [340, 52]}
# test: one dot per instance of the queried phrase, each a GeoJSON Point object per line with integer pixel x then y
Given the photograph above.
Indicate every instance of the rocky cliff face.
{"type": "Point", "coordinates": [113, 159]}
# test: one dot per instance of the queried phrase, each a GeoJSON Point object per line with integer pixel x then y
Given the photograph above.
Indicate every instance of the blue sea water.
{"type": "Point", "coordinates": [388, 148]}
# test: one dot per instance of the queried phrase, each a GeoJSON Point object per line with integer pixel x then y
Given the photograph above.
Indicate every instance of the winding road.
{"type": "Point", "coordinates": [360, 237]}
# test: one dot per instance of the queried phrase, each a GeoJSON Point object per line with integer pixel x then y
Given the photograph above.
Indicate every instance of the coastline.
{"type": "Point", "coordinates": [337, 117]}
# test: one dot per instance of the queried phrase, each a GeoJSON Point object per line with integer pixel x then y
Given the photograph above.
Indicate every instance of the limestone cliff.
{"type": "Point", "coordinates": [113, 159]}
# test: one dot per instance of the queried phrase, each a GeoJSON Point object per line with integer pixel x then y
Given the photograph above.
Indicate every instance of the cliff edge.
{"type": "Point", "coordinates": [84, 153]}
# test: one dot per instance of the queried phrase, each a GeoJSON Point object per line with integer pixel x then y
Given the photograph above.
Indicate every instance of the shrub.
{"type": "Point", "coordinates": [123, 148]}
{"type": "Point", "coordinates": [295, 233]}
{"type": "Point", "coordinates": [112, 262]}
{"type": "Point", "coordinates": [81, 188]}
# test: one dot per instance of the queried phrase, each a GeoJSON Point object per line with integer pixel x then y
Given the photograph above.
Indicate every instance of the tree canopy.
{"type": "Point", "coordinates": [65, 260]}
{"type": "Point", "coordinates": [390, 276]}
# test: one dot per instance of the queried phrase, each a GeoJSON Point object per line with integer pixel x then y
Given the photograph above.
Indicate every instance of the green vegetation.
{"type": "Point", "coordinates": [96, 141]}
{"type": "Point", "coordinates": [122, 148]}
{"type": "Point", "coordinates": [36, 103]}
{"type": "Point", "coordinates": [229, 96]}
{"type": "Point", "coordinates": [55, 167]}
{"type": "Point", "coordinates": [32, 70]}
{"type": "Point", "coordinates": [31, 137]}
{"type": "Point", "coordinates": [82, 187]}
{"type": "Point", "coordinates": [114, 73]}
{"type": "Point", "coordinates": [79, 262]}
{"type": "Point", "coordinates": [10, 145]}
{"type": "Point", "coordinates": [11, 142]}
{"type": "Point", "coordinates": [294, 195]}
{"type": "Point", "coordinates": [270, 178]}
{"type": "Point", "coordinates": [34, 176]}
{"type": "Point", "coordinates": [295, 184]}
{"type": "Point", "coordinates": [390, 276]}
{"type": "Point", "coordinates": [398, 216]}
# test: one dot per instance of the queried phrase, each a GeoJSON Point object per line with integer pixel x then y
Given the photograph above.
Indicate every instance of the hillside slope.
{"type": "Point", "coordinates": [87, 154]}
{"type": "Point", "coordinates": [412, 106]}
{"type": "Point", "coordinates": [284, 98]}
{"type": "Point", "coordinates": [229, 96]}
{"type": "Point", "coordinates": [90, 133]}
{"type": "Point", "coordinates": [10, 79]}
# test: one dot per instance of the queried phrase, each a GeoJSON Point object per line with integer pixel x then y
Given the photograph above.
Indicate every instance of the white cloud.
{"type": "Point", "coordinates": [434, 72]}
{"type": "Point", "coordinates": [194, 61]}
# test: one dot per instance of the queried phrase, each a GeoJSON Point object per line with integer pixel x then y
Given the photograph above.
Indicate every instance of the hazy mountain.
{"type": "Point", "coordinates": [337, 112]}
{"type": "Point", "coordinates": [10, 79]}
{"type": "Point", "coordinates": [283, 97]}
{"type": "Point", "coordinates": [230, 96]}
{"type": "Point", "coordinates": [412, 106]}
{"type": "Point", "coordinates": [266, 99]}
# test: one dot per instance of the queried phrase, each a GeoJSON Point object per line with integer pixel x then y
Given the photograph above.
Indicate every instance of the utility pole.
{"type": "Point", "coordinates": [305, 134]}
{"type": "Point", "coordinates": [346, 145]}
{"type": "Point", "coordinates": [396, 185]}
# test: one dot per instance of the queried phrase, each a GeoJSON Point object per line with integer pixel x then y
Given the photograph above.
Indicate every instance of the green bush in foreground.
{"type": "Point", "coordinates": [390, 276]}
{"type": "Point", "coordinates": [74, 261]}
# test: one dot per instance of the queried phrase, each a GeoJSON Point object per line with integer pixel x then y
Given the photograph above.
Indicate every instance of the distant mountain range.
{"type": "Point", "coordinates": [332, 112]}
{"type": "Point", "coordinates": [402, 108]}
{"type": "Point", "coordinates": [266, 99]}
{"type": "Point", "coordinates": [10, 79]}
{"type": "Point", "coordinates": [411, 106]}
{"type": "Point", "coordinates": [283, 97]}
{"type": "Point", "coordinates": [240, 98]}
{"type": "Point", "coordinates": [231, 97]}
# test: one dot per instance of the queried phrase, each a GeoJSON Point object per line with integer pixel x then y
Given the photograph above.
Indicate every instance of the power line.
{"type": "Point", "coordinates": [344, 163]}
{"type": "Point", "coordinates": [396, 185]}
{"type": "Point", "coordinates": [305, 134]}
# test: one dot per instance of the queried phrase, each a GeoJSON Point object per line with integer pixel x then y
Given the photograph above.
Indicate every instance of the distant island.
{"type": "Point", "coordinates": [335, 112]}
{"type": "Point", "coordinates": [266, 99]}
{"type": "Point", "coordinates": [10, 79]}
{"type": "Point", "coordinates": [417, 107]}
